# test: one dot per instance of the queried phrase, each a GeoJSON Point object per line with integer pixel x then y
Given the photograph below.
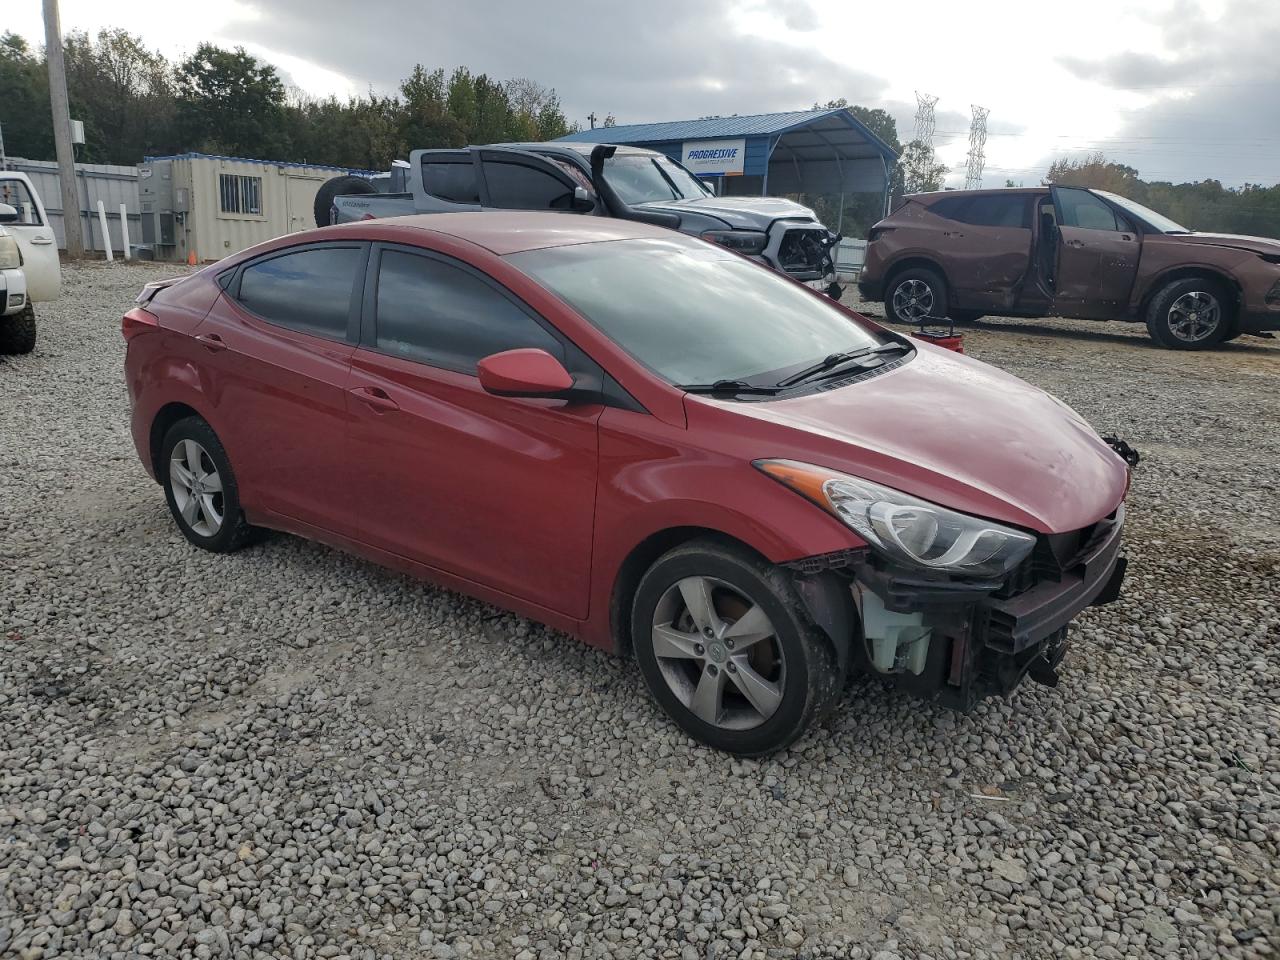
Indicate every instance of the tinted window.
{"type": "Point", "coordinates": [997, 210]}
{"type": "Point", "coordinates": [517, 186]}
{"type": "Point", "coordinates": [442, 314]}
{"type": "Point", "coordinates": [1080, 208]}
{"type": "Point", "coordinates": [949, 208]}
{"type": "Point", "coordinates": [451, 181]}
{"type": "Point", "coordinates": [309, 290]}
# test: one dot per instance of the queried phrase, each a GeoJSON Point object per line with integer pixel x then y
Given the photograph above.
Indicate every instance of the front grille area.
{"type": "Point", "coordinates": [802, 253]}
{"type": "Point", "coordinates": [1053, 555]}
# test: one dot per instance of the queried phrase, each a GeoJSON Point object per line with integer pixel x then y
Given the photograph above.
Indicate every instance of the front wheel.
{"type": "Point", "coordinates": [727, 650]}
{"type": "Point", "coordinates": [1190, 314]}
{"type": "Point", "coordinates": [18, 332]}
{"type": "Point", "coordinates": [915, 295]}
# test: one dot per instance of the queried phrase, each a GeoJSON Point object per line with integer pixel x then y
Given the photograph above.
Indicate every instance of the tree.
{"type": "Point", "coordinates": [918, 170]}
{"type": "Point", "coordinates": [24, 100]}
{"type": "Point", "coordinates": [124, 94]}
{"type": "Point", "coordinates": [880, 122]}
{"type": "Point", "coordinates": [228, 102]}
{"type": "Point", "coordinates": [426, 121]}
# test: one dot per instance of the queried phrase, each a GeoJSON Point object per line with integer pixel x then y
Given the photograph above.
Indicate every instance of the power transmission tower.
{"type": "Point", "coordinates": [62, 131]}
{"type": "Point", "coordinates": [977, 158]}
{"type": "Point", "coordinates": [924, 118]}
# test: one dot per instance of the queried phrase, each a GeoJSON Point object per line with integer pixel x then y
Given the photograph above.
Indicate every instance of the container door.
{"type": "Point", "coordinates": [300, 198]}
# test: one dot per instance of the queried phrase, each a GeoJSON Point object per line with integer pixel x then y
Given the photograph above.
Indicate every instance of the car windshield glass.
{"type": "Point", "coordinates": [694, 313]}
{"type": "Point", "coordinates": [640, 179]}
{"type": "Point", "coordinates": [1145, 214]}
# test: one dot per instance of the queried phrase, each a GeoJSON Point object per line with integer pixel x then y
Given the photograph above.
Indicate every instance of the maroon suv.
{"type": "Point", "coordinates": [1070, 252]}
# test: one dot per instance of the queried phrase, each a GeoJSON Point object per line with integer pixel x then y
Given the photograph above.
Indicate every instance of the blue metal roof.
{"type": "Point", "coordinates": [712, 128]}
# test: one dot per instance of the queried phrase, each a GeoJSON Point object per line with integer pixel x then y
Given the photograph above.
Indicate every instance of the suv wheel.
{"type": "Point", "coordinates": [201, 489]}
{"type": "Point", "coordinates": [1190, 314]}
{"type": "Point", "coordinates": [727, 649]}
{"type": "Point", "coordinates": [916, 294]}
{"type": "Point", "coordinates": [18, 333]}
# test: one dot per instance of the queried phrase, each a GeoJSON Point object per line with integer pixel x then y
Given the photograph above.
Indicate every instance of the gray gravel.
{"type": "Point", "coordinates": [292, 753]}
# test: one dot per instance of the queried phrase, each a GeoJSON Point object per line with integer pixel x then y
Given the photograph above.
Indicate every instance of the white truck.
{"type": "Point", "coordinates": [29, 268]}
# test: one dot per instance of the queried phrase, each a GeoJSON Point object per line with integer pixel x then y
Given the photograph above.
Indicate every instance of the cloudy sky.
{"type": "Point", "coordinates": [1180, 89]}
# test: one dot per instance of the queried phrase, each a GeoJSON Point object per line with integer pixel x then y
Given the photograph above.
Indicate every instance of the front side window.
{"type": "Point", "coordinates": [309, 291]}
{"type": "Point", "coordinates": [519, 186]}
{"type": "Point", "coordinates": [445, 315]}
{"type": "Point", "coordinates": [451, 180]}
{"type": "Point", "coordinates": [1152, 219]}
{"type": "Point", "coordinates": [1080, 208]}
{"type": "Point", "coordinates": [240, 195]}
{"type": "Point", "coordinates": [16, 194]}
{"type": "Point", "coordinates": [694, 313]}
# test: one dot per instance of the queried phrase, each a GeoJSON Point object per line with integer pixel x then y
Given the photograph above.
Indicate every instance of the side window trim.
{"type": "Point", "coordinates": [231, 287]}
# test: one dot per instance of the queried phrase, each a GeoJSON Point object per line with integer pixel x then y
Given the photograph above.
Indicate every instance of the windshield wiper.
{"type": "Point", "coordinates": [729, 386]}
{"type": "Point", "coordinates": [834, 360]}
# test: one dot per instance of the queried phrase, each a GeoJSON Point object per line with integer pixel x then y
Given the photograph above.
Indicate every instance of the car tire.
{"type": "Point", "coordinates": [208, 511]}
{"type": "Point", "coordinates": [18, 332]}
{"type": "Point", "coordinates": [337, 187]}
{"type": "Point", "coordinates": [762, 676]}
{"type": "Point", "coordinates": [915, 293]}
{"type": "Point", "coordinates": [1176, 315]}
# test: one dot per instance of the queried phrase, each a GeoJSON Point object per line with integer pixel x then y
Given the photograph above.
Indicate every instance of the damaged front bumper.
{"type": "Point", "coordinates": [959, 642]}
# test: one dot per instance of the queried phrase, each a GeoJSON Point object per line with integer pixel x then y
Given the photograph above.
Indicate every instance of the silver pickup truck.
{"type": "Point", "coordinates": [591, 179]}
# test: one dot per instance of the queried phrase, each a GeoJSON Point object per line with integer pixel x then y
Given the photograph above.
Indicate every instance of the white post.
{"type": "Point", "coordinates": [106, 235]}
{"type": "Point", "coordinates": [124, 231]}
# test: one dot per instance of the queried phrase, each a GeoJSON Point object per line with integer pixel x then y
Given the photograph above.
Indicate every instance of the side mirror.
{"type": "Point", "coordinates": [527, 372]}
{"type": "Point", "coordinates": [582, 202]}
{"type": "Point", "coordinates": [8, 214]}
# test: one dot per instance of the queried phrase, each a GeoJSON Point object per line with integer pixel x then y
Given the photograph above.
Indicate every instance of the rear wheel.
{"type": "Point", "coordinates": [727, 650]}
{"type": "Point", "coordinates": [916, 294]}
{"type": "Point", "coordinates": [201, 488]}
{"type": "Point", "coordinates": [337, 187]}
{"type": "Point", "coordinates": [1190, 314]}
{"type": "Point", "coordinates": [18, 332]}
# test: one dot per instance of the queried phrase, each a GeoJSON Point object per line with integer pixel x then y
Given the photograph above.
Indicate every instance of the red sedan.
{"type": "Point", "coordinates": [641, 439]}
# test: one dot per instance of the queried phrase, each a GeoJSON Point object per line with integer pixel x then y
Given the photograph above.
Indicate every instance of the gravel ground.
{"type": "Point", "coordinates": [292, 753]}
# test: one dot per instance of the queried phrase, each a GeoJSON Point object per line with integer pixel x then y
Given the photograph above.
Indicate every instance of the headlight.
{"type": "Point", "coordinates": [750, 242]}
{"type": "Point", "coordinates": [904, 528]}
{"type": "Point", "coordinates": [10, 255]}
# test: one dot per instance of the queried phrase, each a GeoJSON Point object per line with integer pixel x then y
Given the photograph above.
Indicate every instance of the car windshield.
{"type": "Point", "coordinates": [640, 179]}
{"type": "Point", "coordinates": [1145, 214]}
{"type": "Point", "coordinates": [694, 313]}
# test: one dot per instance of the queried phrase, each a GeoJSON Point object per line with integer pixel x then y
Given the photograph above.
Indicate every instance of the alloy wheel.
{"type": "Point", "coordinates": [1194, 316]}
{"type": "Point", "coordinates": [719, 653]}
{"type": "Point", "coordinates": [913, 300]}
{"type": "Point", "coordinates": [197, 488]}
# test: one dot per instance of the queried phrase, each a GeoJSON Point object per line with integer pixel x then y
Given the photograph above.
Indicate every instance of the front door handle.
{"type": "Point", "coordinates": [375, 397]}
{"type": "Point", "coordinates": [41, 240]}
{"type": "Point", "coordinates": [212, 341]}
{"type": "Point", "coordinates": [1075, 243]}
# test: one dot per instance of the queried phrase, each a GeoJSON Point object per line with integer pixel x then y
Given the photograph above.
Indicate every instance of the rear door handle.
{"type": "Point", "coordinates": [212, 341]}
{"type": "Point", "coordinates": [1075, 243]}
{"type": "Point", "coordinates": [375, 397]}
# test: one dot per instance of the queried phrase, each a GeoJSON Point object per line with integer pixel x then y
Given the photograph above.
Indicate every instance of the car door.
{"type": "Point", "coordinates": [1098, 252]}
{"type": "Point", "coordinates": [989, 248]}
{"type": "Point", "coordinates": [35, 239]}
{"type": "Point", "coordinates": [276, 354]}
{"type": "Point", "coordinates": [515, 180]}
{"type": "Point", "coordinates": [497, 490]}
{"type": "Point", "coordinates": [448, 181]}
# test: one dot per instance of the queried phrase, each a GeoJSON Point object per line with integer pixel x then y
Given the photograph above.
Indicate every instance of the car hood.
{"type": "Point", "coordinates": [1235, 241]}
{"type": "Point", "coordinates": [954, 431]}
{"type": "Point", "coordinates": [740, 213]}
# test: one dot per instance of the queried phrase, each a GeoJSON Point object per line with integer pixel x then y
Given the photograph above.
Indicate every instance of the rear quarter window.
{"type": "Point", "coordinates": [309, 291]}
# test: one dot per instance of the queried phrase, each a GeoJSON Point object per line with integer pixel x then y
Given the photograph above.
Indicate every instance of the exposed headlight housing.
{"type": "Point", "coordinates": [906, 529]}
{"type": "Point", "coordinates": [750, 242]}
{"type": "Point", "coordinates": [10, 255]}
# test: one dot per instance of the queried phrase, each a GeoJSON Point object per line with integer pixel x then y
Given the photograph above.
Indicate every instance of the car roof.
{"type": "Point", "coordinates": [582, 149]}
{"type": "Point", "coordinates": [504, 232]}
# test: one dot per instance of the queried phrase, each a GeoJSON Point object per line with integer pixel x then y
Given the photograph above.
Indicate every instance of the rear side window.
{"type": "Point", "coordinates": [1080, 208]}
{"type": "Point", "coordinates": [309, 291]}
{"type": "Point", "coordinates": [519, 186]}
{"type": "Point", "coordinates": [445, 315]}
{"type": "Point", "coordinates": [454, 180]}
{"type": "Point", "coordinates": [949, 208]}
{"type": "Point", "coordinates": [997, 210]}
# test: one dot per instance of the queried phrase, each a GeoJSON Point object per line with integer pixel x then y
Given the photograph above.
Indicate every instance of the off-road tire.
{"type": "Point", "coordinates": [337, 187]}
{"type": "Point", "coordinates": [937, 287]}
{"type": "Point", "coordinates": [235, 532]}
{"type": "Point", "coordinates": [812, 680]}
{"type": "Point", "coordinates": [1159, 320]}
{"type": "Point", "coordinates": [18, 332]}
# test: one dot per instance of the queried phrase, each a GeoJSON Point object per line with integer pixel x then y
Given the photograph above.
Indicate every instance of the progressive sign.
{"type": "Point", "coordinates": [714, 158]}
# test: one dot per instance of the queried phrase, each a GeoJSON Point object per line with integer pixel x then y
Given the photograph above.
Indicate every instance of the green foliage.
{"type": "Point", "coordinates": [24, 100]}
{"type": "Point", "coordinates": [230, 103]}
{"type": "Point", "coordinates": [918, 170]}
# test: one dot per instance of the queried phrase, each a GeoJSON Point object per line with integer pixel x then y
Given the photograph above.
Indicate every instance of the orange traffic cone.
{"type": "Point", "coordinates": [191, 259]}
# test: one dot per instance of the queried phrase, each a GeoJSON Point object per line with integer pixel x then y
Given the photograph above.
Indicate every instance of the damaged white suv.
{"type": "Point", "coordinates": [29, 267]}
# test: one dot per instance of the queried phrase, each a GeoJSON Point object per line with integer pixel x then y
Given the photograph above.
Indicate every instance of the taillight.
{"type": "Point", "coordinates": [876, 233]}
{"type": "Point", "coordinates": [138, 321]}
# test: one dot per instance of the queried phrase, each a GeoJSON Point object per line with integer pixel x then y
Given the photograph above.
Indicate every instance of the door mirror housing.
{"type": "Point", "coordinates": [582, 202]}
{"type": "Point", "coordinates": [527, 372]}
{"type": "Point", "coordinates": [8, 213]}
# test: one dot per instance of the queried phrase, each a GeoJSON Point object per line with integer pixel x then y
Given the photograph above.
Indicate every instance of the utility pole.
{"type": "Point", "coordinates": [924, 118]}
{"type": "Point", "coordinates": [592, 117]}
{"type": "Point", "coordinates": [62, 131]}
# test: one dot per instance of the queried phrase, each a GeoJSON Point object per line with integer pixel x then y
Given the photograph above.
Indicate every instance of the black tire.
{"type": "Point", "coordinates": [965, 316]}
{"type": "Point", "coordinates": [337, 187]}
{"type": "Point", "coordinates": [234, 531]}
{"type": "Point", "coordinates": [1164, 313]}
{"type": "Point", "coordinates": [806, 672]}
{"type": "Point", "coordinates": [937, 293]}
{"type": "Point", "coordinates": [18, 332]}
